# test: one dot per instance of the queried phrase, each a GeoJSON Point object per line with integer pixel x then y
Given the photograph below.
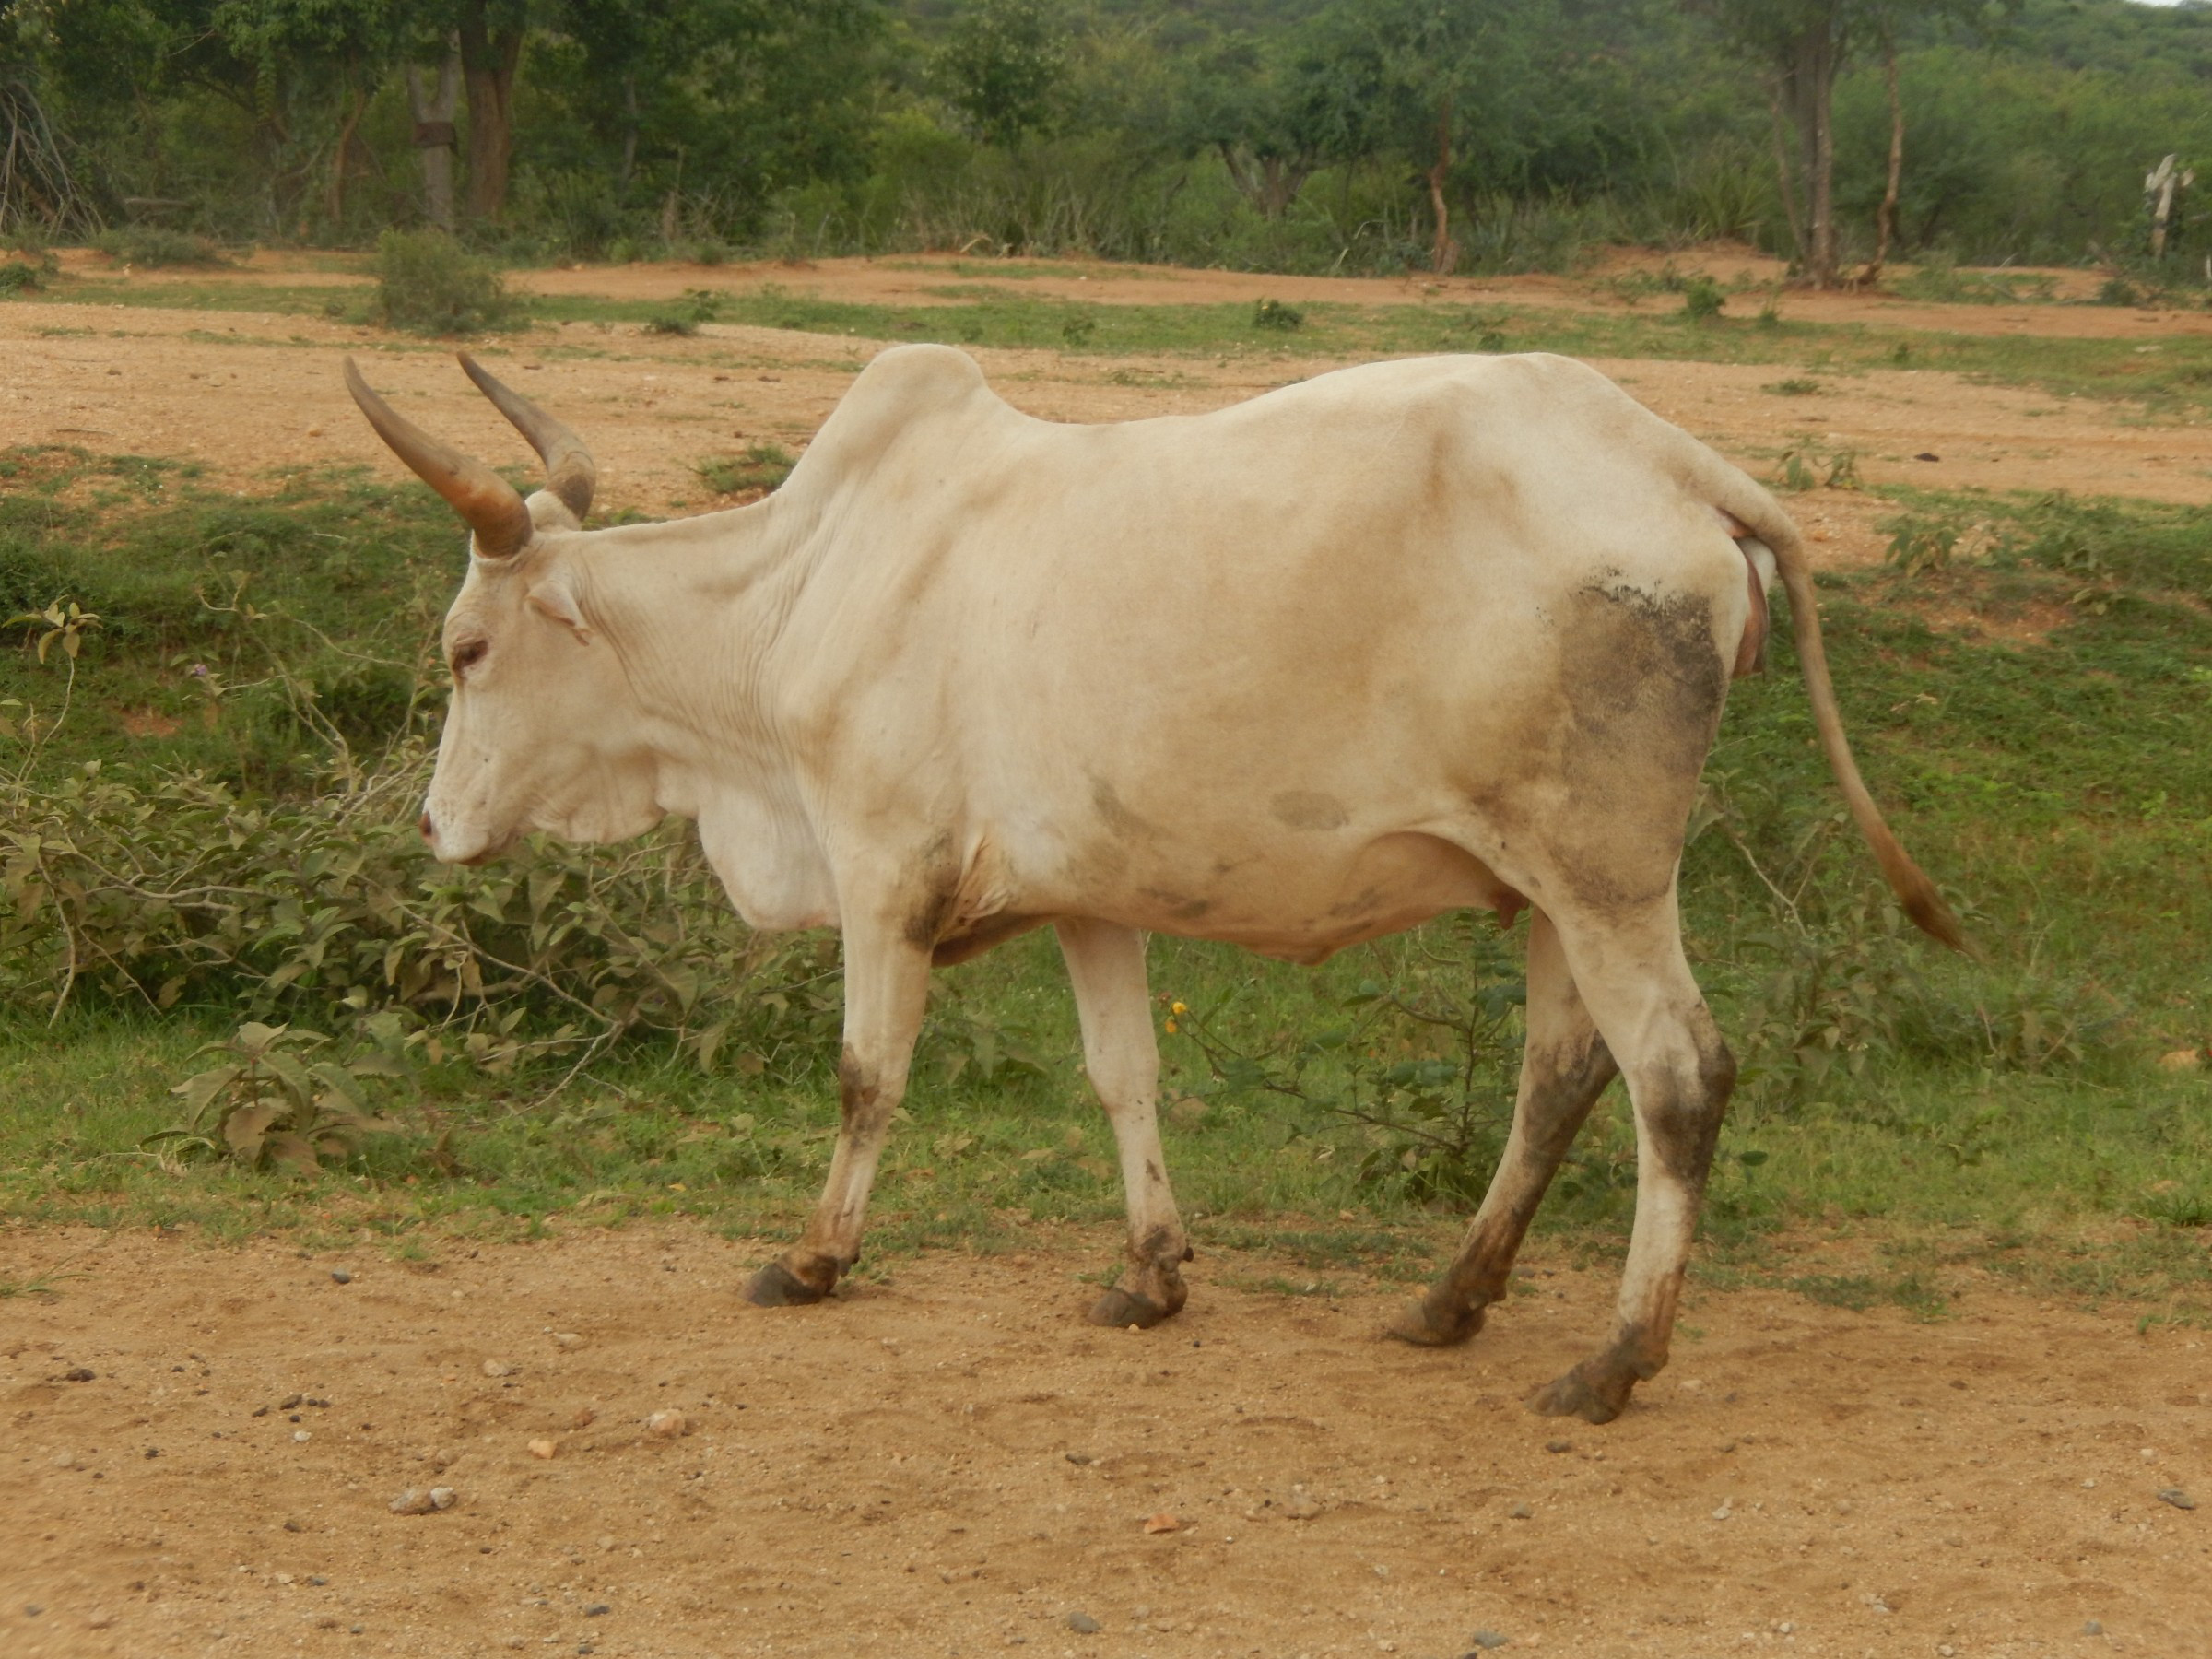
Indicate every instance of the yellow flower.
{"type": "Point", "coordinates": [1170, 1028]}
{"type": "Point", "coordinates": [1180, 1008]}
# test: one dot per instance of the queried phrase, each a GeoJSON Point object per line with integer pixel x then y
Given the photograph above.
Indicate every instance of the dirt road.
{"type": "Point", "coordinates": [949, 1461]}
{"type": "Point", "coordinates": [251, 394]}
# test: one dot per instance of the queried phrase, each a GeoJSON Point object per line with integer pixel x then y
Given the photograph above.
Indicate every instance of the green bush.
{"type": "Point", "coordinates": [763, 467]}
{"type": "Point", "coordinates": [697, 306]}
{"type": "Point", "coordinates": [1274, 313]}
{"type": "Point", "coordinates": [177, 891]}
{"type": "Point", "coordinates": [150, 245]}
{"type": "Point", "coordinates": [1702, 299]}
{"type": "Point", "coordinates": [426, 283]}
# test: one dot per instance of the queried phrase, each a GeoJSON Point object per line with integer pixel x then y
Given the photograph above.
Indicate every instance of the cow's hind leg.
{"type": "Point", "coordinates": [1106, 965]}
{"type": "Point", "coordinates": [1564, 1068]}
{"type": "Point", "coordinates": [887, 987]}
{"type": "Point", "coordinates": [1679, 1073]}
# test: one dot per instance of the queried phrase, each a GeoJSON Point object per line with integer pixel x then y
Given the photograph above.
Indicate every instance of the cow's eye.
{"type": "Point", "coordinates": [468, 655]}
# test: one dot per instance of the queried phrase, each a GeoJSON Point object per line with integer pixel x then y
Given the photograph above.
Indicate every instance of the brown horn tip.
{"type": "Point", "coordinates": [571, 471]}
{"type": "Point", "coordinates": [487, 501]}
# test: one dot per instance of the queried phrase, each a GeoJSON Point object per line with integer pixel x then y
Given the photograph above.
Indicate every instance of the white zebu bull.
{"type": "Point", "coordinates": [1394, 642]}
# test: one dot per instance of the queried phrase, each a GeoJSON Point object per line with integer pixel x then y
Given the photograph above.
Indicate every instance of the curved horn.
{"type": "Point", "coordinates": [570, 470]}
{"type": "Point", "coordinates": [479, 495]}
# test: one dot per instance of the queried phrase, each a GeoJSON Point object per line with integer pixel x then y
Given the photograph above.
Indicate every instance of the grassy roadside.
{"type": "Point", "coordinates": [2169, 376]}
{"type": "Point", "coordinates": [2001, 1117]}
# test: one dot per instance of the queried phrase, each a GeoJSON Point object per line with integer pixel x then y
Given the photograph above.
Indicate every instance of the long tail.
{"type": "Point", "coordinates": [1757, 512]}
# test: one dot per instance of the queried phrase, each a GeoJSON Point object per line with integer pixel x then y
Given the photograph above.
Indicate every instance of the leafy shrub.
{"type": "Point", "coordinates": [151, 246]}
{"type": "Point", "coordinates": [1702, 299]}
{"type": "Point", "coordinates": [1804, 468]}
{"type": "Point", "coordinates": [1274, 313]}
{"type": "Point", "coordinates": [1421, 1066]}
{"type": "Point", "coordinates": [426, 283]}
{"type": "Point", "coordinates": [19, 275]}
{"type": "Point", "coordinates": [271, 1107]}
{"type": "Point", "coordinates": [763, 467]}
{"type": "Point", "coordinates": [1938, 279]}
{"type": "Point", "coordinates": [1919, 543]}
{"type": "Point", "coordinates": [697, 305]}
{"type": "Point", "coordinates": [177, 892]}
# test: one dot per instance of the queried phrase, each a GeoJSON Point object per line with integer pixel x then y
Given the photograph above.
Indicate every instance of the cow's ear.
{"type": "Point", "coordinates": [555, 598]}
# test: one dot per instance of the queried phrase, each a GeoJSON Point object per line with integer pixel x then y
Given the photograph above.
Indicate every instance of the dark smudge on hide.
{"type": "Point", "coordinates": [1643, 685]}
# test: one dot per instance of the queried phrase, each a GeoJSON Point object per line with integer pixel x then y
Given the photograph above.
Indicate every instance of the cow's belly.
{"type": "Point", "coordinates": [1304, 901]}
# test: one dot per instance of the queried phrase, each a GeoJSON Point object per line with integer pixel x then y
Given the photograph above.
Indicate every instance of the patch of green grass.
{"type": "Point", "coordinates": [1860, 1292]}
{"type": "Point", "coordinates": [154, 246]}
{"type": "Point", "coordinates": [1797, 385]}
{"type": "Point", "coordinates": [762, 466]}
{"type": "Point", "coordinates": [2060, 790]}
{"type": "Point", "coordinates": [1939, 281]}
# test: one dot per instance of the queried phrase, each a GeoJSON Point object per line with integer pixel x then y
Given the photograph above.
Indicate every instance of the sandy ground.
{"type": "Point", "coordinates": [948, 1461]}
{"type": "Point", "coordinates": [246, 393]}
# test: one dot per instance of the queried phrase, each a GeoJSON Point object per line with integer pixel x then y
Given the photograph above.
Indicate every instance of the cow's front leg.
{"type": "Point", "coordinates": [1106, 964]}
{"type": "Point", "coordinates": [1679, 1075]}
{"type": "Point", "coordinates": [1564, 1068]}
{"type": "Point", "coordinates": [887, 987]}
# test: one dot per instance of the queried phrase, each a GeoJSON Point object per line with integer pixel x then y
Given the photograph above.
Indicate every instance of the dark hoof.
{"type": "Point", "coordinates": [775, 1285]}
{"type": "Point", "coordinates": [1595, 1396]}
{"type": "Point", "coordinates": [1120, 1307]}
{"type": "Point", "coordinates": [1425, 1328]}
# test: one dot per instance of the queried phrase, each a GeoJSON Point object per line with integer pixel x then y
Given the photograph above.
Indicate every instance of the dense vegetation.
{"type": "Point", "coordinates": [1273, 134]}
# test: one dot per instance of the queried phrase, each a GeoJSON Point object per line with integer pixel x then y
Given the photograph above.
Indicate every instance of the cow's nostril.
{"type": "Point", "coordinates": [423, 824]}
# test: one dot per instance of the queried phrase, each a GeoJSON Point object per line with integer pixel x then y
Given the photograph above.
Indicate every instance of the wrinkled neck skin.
{"type": "Point", "coordinates": [623, 682]}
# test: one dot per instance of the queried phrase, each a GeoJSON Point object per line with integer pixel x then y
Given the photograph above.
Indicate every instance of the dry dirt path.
{"type": "Point", "coordinates": [948, 1461]}
{"type": "Point", "coordinates": [250, 395]}
{"type": "Point", "coordinates": [947, 280]}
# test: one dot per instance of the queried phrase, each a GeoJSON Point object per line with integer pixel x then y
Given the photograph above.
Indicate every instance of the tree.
{"type": "Point", "coordinates": [1001, 65]}
{"type": "Point", "coordinates": [718, 103]}
{"type": "Point", "coordinates": [1274, 114]}
{"type": "Point", "coordinates": [433, 93]}
{"type": "Point", "coordinates": [490, 33]}
{"type": "Point", "coordinates": [38, 187]}
{"type": "Point", "coordinates": [1438, 73]}
{"type": "Point", "coordinates": [341, 48]}
{"type": "Point", "coordinates": [1804, 44]}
